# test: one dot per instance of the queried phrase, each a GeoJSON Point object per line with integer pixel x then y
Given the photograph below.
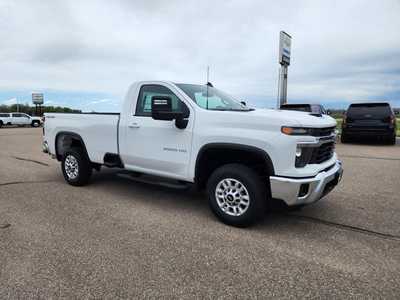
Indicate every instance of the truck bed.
{"type": "Point", "coordinates": [99, 131]}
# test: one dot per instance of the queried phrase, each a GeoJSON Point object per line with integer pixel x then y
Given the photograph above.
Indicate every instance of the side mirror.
{"type": "Point", "coordinates": [328, 112]}
{"type": "Point", "coordinates": [397, 113]}
{"type": "Point", "coordinates": [161, 108]}
{"type": "Point", "coordinates": [243, 103]}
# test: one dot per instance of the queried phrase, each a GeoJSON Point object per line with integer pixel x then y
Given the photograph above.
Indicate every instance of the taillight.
{"type": "Point", "coordinates": [391, 120]}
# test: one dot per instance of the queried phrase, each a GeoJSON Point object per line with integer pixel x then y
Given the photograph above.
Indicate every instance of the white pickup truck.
{"type": "Point", "coordinates": [19, 119]}
{"type": "Point", "coordinates": [197, 134]}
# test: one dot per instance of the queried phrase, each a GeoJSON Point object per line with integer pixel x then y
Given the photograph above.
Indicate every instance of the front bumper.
{"type": "Point", "coordinates": [300, 191]}
{"type": "Point", "coordinates": [368, 131]}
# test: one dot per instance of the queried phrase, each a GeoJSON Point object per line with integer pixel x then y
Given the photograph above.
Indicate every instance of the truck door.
{"type": "Point", "coordinates": [26, 119]}
{"type": "Point", "coordinates": [156, 146]}
{"type": "Point", "coordinates": [18, 119]}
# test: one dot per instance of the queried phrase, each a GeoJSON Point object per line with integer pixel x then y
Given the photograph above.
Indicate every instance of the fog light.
{"type": "Point", "coordinates": [304, 189]}
{"type": "Point", "coordinates": [298, 151]}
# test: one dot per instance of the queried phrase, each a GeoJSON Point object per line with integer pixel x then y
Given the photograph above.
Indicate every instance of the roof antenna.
{"type": "Point", "coordinates": [208, 83]}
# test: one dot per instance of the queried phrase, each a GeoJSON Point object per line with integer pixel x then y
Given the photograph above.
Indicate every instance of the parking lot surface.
{"type": "Point", "coordinates": [117, 238]}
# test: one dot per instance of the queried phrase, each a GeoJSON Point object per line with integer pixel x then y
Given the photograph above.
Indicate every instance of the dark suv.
{"type": "Point", "coordinates": [375, 120]}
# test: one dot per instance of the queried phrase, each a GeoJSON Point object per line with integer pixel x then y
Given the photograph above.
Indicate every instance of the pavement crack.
{"type": "Point", "coordinates": [370, 157]}
{"type": "Point", "coordinates": [30, 160]}
{"type": "Point", "coordinates": [348, 227]}
{"type": "Point", "coordinates": [5, 225]}
{"type": "Point", "coordinates": [26, 182]}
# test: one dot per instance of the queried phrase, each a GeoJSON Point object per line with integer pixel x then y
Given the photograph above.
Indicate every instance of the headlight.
{"type": "Point", "coordinates": [295, 130]}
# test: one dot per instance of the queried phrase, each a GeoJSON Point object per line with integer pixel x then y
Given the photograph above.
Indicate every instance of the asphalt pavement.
{"type": "Point", "coordinates": [117, 238]}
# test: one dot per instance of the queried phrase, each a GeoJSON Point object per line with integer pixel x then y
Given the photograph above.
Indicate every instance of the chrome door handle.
{"type": "Point", "coordinates": [134, 125]}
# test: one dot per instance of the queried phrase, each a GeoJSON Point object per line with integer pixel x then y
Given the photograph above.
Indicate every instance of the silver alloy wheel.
{"type": "Point", "coordinates": [71, 167]}
{"type": "Point", "coordinates": [232, 197]}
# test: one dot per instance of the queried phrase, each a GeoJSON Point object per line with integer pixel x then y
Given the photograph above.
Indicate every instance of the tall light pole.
{"type": "Point", "coordinates": [285, 41]}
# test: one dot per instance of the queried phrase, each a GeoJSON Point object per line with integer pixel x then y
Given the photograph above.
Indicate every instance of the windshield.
{"type": "Point", "coordinates": [377, 110]}
{"type": "Point", "coordinates": [210, 98]}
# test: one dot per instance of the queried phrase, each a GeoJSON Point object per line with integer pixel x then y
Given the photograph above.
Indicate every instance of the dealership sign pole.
{"type": "Point", "coordinates": [285, 42]}
{"type": "Point", "coordinates": [37, 99]}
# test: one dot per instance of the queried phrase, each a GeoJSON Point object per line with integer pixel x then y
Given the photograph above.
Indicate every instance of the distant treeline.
{"type": "Point", "coordinates": [336, 113]}
{"type": "Point", "coordinates": [31, 110]}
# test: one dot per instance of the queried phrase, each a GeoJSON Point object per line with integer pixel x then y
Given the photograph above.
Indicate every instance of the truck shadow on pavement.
{"type": "Point", "coordinates": [191, 202]}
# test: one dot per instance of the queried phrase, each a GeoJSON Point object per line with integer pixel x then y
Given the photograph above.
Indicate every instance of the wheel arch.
{"type": "Point", "coordinates": [65, 140]}
{"type": "Point", "coordinates": [206, 161]}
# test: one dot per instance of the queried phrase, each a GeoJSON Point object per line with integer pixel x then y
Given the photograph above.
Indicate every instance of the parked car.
{"type": "Point", "coordinates": [19, 119]}
{"type": "Point", "coordinates": [369, 120]}
{"type": "Point", "coordinates": [313, 109]}
{"type": "Point", "coordinates": [196, 134]}
{"type": "Point", "coordinates": [5, 119]}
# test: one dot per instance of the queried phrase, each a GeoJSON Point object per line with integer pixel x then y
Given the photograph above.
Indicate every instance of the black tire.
{"type": "Point", "coordinates": [392, 140]}
{"type": "Point", "coordinates": [254, 185]}
{"type": "Point", "coordinates": [84, 167]}
{"type": "Point", "coordinates": [35, 124]}
{"type": "Point", "coordinates": [1, 124]}
{"type": "Point", "coordinates": [344, 138]}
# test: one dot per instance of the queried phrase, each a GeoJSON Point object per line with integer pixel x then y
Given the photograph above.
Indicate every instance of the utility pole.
{"type": "Point", "coordinates": [285, 41]}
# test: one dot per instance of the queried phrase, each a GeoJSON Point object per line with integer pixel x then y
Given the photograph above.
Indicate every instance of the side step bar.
{"type": "Point", "coordinates": [168, 183]}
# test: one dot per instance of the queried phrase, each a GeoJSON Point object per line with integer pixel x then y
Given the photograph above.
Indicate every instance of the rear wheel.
{"type": "Point", "coordinates": [1, 124]}
{"type": "Point", "coordinates": [76, 167]}
{"type": "Point", "coordinates": [35, 124]}
{"type": "Point", "coordinates": [237, 195]}
{"type": "Point", "coordinates": [392, 140]}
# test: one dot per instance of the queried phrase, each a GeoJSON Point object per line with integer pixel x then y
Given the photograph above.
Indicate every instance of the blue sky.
{"type": "Point", "coordinates": [87, 101]}
{"type": "Point", "coordinates": [84, 54]}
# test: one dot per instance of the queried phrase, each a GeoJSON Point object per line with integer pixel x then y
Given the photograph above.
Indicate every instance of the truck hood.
{"type": "Point", "coordinates": [293, 118]}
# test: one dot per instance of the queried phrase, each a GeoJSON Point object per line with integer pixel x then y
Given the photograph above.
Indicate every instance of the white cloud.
{"type": "Point", "coordinates": [341, 49]}
{"type": "Point", "coordinates": [10, 101]}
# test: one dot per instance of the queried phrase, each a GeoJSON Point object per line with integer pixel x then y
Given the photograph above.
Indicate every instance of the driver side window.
{"type": "Point", "coordinates": [143, 106]}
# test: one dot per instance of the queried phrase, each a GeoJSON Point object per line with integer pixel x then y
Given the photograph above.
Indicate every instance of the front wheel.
{"type": "Point", "coordinates": [343, 138]}
{"type": "Point", "coordinates": [237, 195]}
{"type": "Point", "coordinates": [76, 167]}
